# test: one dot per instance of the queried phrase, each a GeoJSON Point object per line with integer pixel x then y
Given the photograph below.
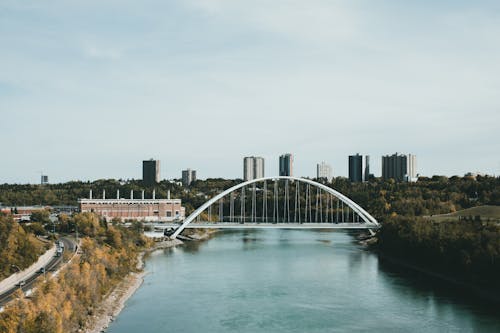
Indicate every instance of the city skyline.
{"type": "Point", "coordinates": [92, 97]}
{"type": "Point", "coordinates": [270, 170]}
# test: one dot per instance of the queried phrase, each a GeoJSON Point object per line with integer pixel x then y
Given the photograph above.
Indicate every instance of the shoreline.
{"type": "Point", "coordinates": [113, 303]}
{"type": "Point", "coordinates": [467, 286]}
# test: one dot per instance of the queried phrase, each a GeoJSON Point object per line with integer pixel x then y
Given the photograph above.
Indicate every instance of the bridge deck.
{"type": "Point", "coordinates": [227, 225]}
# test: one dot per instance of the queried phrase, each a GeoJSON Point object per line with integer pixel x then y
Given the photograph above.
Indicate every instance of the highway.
{"type": "Point", "coordinates": [69, 245]}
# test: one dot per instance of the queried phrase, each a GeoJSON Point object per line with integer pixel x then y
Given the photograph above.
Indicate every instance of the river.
{"type": "Point", "coordinates": [293, 281]}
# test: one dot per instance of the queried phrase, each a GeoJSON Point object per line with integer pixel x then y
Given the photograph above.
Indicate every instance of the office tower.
{"type": "Point", "coordinates": [359, 168]}
{"type": "Point", "coordinates": [356, 168]}
{"type": "Point", "coordinates": [286, 165]}
{"type": "Point", "coordinates": [400, 167]}
{"type": "Point", "coordinates": [412, 168]}
{"type": "Point", "coordinates": [367, 168]}
{"type": "Point", "coordinates": [44, 179]}
{"type": "Point", "coordinates": [253, 167]}
{"type": "Point", "coordinates": [150, 172]}
{"type": "Point", "coordinates": [324, 170]}
{"type": "Point", "coordinates": [188, 176]}
{"type": "Point", "coordinates": [258, 167]}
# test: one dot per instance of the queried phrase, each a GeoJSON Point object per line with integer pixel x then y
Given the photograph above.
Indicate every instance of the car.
{"type": "Point", "coordinates": [41, 270]}
{"type": "Point", "coordinates": [20, 283]}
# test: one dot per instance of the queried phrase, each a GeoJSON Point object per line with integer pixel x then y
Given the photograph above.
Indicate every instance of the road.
{"type": "Point", "coordinates": [69, 245]}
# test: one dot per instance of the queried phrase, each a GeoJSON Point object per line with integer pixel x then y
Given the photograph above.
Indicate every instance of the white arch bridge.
{"type": "Point", "coordinates": [279, 202]}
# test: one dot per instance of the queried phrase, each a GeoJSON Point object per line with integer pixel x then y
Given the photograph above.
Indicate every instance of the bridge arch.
{"type": "Point", "coordinates": [365, 216]}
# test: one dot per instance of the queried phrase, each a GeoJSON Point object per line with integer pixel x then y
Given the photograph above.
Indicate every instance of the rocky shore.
{"type": "Point", "coordinates": [115, 301]}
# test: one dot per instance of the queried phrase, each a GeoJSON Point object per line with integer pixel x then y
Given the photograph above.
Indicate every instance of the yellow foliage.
{"type": "Point", "coordinates": [63, 304]}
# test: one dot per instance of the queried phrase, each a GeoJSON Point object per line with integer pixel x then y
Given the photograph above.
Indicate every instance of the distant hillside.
{"type": "Point", "coordinates": [485, 212]}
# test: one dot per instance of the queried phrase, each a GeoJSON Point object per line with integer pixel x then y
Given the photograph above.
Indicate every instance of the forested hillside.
{"type": "Point", "coordinates": [468, 249]}
{"type": "Point", "coordinates": [17, 247]}
{"type": "Point", "coordinates": [64, 304]}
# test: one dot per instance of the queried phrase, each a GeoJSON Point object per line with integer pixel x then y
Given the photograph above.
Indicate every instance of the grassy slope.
{"type": "Point", "coordinates": [491, 212]}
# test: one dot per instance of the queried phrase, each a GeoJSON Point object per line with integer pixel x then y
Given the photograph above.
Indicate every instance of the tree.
{"type": "Point", "coordinates": [42, 216]}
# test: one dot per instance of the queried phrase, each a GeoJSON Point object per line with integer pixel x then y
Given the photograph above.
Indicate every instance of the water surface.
{"type": "Point", "coordinates": [292, 281]}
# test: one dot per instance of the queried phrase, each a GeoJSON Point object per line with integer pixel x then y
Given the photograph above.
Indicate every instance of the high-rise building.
{"type": "Point", "coordinates": [324, 170]}
{"type": "Point", "coordinates": [253, 167]}
{"type": "Point", "coordinates": [367, 169]}
{"type": "Point", "coordinates": [188, 176]}
{"type": "Point", "coordinates": [412, 168]}
{"type": "Point", "coordinates": [258, 167]}
{"type": "Point", "coordinates": [400, 167]}
{"type": "Point", "coordinates": [356, 168]}
{"type": "Point", "coordinates": [150, 172]}
{"type": "Point", "coordinates": [359, 168]}
{"type": "Point", "coordinates": [286, 165]}
{"type": "Point", "coordinates": [44, 179]}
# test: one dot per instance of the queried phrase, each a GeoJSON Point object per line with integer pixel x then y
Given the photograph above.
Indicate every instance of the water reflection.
{"type": "Point", "coordinates": [192, 246]}
{"type": "Point", "coordinates": [420, 285]}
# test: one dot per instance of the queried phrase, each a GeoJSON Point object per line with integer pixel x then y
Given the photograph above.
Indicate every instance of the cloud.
{"type": "Point", "coordinates": [102, 52]}
{"type": "Point", "coordinates": [211, 80]}
{"type": "Point", "coordinates": [308, 21]}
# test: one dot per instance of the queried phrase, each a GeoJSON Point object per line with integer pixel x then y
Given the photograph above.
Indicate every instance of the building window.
{"type": "Point", "coordinates": [169, 213]}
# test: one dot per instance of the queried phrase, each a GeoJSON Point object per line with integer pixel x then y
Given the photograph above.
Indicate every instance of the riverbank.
{"type": "Point", "coordinates": [114, 302]}
{"type": "Point", "coordinates": [463, 254]}
{"type": "Point", "coordinates": [407, 263]}
{"type": "Point", "coordinates": [462, 284]}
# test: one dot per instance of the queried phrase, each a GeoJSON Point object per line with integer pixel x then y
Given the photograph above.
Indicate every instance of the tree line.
{"type": "Point", "coordinates": [382, 198]}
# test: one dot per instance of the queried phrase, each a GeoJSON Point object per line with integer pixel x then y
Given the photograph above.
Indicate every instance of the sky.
{"type": "Point", "coordinates": [89, 89]}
